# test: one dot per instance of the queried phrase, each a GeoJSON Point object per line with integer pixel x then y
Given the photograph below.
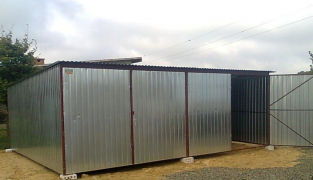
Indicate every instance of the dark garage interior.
{"type": "Point", "coordinates": [249, 104]}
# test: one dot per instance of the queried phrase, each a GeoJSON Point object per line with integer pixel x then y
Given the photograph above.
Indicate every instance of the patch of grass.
{"type": "Point", "coordinates": [4, 139]}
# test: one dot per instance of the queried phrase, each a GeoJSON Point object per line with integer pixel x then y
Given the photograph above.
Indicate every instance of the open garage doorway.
{"type": "Point", "coordinates": [249, 109]}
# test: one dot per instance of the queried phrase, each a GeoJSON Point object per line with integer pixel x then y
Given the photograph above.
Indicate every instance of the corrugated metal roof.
{"type": "Point", "coordinates": [150, 66]}
{"type": "Point", "coordinates": [86, 64]}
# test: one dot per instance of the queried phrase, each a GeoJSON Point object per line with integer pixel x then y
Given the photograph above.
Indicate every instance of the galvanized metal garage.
{"type": "Point", "coordinates": [77, 116]}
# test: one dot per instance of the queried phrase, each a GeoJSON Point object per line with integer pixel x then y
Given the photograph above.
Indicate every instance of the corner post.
{"type": "Point", "coordinates": [131, 115]}
{"type": "Point", "coordinates": [268, 117]}
{"type": "Point", "coordinates": [62, 120]}
{"type": "Point", "coordinates": [186, 114]}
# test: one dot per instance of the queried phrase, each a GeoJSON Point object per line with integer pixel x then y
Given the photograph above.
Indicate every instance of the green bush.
{"type": "Point", "coordinates": [4, 139]}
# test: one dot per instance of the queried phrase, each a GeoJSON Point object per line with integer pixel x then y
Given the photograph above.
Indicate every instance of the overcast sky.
{"type": "Point", "coordinates": [90, 30]}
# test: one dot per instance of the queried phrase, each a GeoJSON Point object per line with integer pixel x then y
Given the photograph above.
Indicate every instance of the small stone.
{"type": "Point", "coordinates": [85, 175]}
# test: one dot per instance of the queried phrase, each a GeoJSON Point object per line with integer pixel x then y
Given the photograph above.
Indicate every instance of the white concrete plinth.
{"type": "Point", "coordinates": [187, 160]}
{"type": "Point", "coordinates": [69, 176]}
{"type": "Point", "coordinates": [270, 148]}
{"type": "Point", "coordinates": [8, 150]}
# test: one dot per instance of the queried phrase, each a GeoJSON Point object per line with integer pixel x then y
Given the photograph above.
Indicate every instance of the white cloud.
{"type": "Point", "coordinates": [81, 30]}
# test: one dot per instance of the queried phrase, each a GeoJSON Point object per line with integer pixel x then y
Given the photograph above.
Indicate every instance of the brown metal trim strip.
{"type": "Point", "coordinates": [62, 120]}
{"type": "Point", "coordinates": [268, 117]}
{"type": "Point", "coordinates": [186, 114]}
{"type": "Point", "coordinates": [292, 90]}
{"type": "Point", "coordinates": [131, 115]}
{"type": "Point", "coordinates": [292, 129]}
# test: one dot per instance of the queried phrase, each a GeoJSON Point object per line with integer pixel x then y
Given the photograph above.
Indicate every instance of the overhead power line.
{"type": "Point", "coordinates": [240, 32]}
{"type": "Point", "coordinates": [248, 37]}
{"type": "Point", "coordinates": [189, 40]}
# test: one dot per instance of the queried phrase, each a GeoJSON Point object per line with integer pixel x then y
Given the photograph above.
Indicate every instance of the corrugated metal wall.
{"type": "Point", "coordinates": [97, 118]}
{"type": "Point", "coordinates": [35, 118]}
{"type": "Point", "coordinates": [249, 114]}
{"type": "Point", "coordinates": [159, 115]}
{"type": "Point", "coordinates": [295, 110]}
{"type": "Point", "coordinates": [209, 113]}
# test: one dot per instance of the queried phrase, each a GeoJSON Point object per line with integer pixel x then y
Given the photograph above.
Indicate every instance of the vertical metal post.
{"type": "Point", "coordinates": [62, 120]}
{"type": "Point", "coordinates": [186, 114]}
{"type": "Point", "coordinates": [131, 115]}
{"type": "Point", "coordinates": [268, 117]}
{"type": "Point", "coordinates": [231, 108]}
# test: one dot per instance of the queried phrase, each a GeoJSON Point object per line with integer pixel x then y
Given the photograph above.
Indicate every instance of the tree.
{"type": "Point", "coordinates": [311, 60]}
{"type": "Point", "coordinates": [16, 60]}
{"type": "Point", "coordinates": [3, 85]}
{"type": "Point", "coordinates": [311, 66]}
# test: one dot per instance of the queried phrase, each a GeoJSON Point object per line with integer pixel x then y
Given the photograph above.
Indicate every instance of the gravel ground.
{"type": "Point", "coordinates": [303, 170]}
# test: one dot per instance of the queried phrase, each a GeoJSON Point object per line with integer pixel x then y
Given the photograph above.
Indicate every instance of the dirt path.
{"type": "Point", "coordinates": [14, 166]}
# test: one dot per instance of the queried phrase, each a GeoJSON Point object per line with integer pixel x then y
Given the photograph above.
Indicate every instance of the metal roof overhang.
{"type": "Point", "coordinates": [77, 64]}
{"type": "Point", "coordinates": [102, 65]}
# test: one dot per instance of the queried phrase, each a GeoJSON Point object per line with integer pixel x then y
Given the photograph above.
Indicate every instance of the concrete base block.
{"type": "Point", "coordinates": [8, 150]}
{"type": "Point", "coordinates": [187, 160]}
{"type": "Point", "coordinates": [270, 148]}
{"type": "Point", "coordinates": [70, 176]}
